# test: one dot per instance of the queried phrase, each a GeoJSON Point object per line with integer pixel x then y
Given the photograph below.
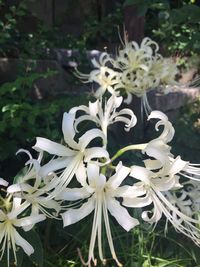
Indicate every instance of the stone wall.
{"type": "Point", "coordinates": [61, 83]}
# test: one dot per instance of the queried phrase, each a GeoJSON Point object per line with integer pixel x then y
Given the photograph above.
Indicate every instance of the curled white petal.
{"type": "Point", "coordinates": [52, 147]}
{"type": "Point", "coordinates": [3, 182]}
{"type": "Point", "coordinates": [74, 215]}
{"type": "Point", "coordinates": [121, 215]}
{"type": "Point", "coordinates": [20, 241]}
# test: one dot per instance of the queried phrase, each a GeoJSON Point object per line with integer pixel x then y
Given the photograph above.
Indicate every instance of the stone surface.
{"type": "Point", "coordinates": [62, 82]}
{"type": "Point", "coordinates": [170, 103]}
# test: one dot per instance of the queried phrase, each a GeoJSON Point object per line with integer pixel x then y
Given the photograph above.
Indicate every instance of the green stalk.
{"type": "Point", "coordinates": [128, 148]}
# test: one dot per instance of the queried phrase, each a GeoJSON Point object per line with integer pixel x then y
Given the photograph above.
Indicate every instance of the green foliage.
{"type": "Point", "coordinates": [37, 257]}
{"type": "Point", "coordinates": [141, 247]}
{"type": "Point", "coordinates": [38, 43]}
{"type": "Point", "coordinates": [179, 29]}
{"type": "Point", "coordinates": [187, 132]}
{"type": "Point", "coordinates": [22, 117]}
{"type": "Point", "coordinates": [174, 25]}
{"type": "Point", "coordinates": [104, 30]}
{"type": "Point", "coordinates": [143, 5]}
{"type": "Point", "coordinates": [17, 117]}
{"type": "Point", "coordinates": [9, 37]}
{"type": "Point", "coordinates": [14, 42]}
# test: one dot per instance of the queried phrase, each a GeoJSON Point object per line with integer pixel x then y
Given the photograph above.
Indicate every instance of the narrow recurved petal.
{"type": "Point", "coordinates": [129, 122]}
{"type": "Point", "coordinates": [20, 241]}
{"type": "Point", "coordinates": [74, 215]}
{"type": "Point", "coordinates": [72, 194]}
{"type": "Point", "coordinates": [155, 150]}
{"type": "Point", "coordinates": [69, 130]}
{"type": "Point", "coordinates": [90, 135]}
{"type": "Point", "coordinates": [121, 214]}
{"type": "Point", "coordinates": [81, 174]}
{"type": "Point", "coordinates": [96, 153]}
{"type": "Point", "coordinates": [168, 132]}
{"type": "Point", "coordinates": [52, 147]}
{"type": "Point", "coordinates": [94, 108]}
{"type": "Point", "coordinates": [141, 174]}
{"type": "Point", "coordinates": [127, 191]}
{"type": "Point", "coordinates": [178, 165]}
{"type": "Point", "coordinates": [29, 220]}
{"type": "Point", "coordinates": [151, 164]}
{"type": "Point", "coordinates": [54, 165]}
{"type": "Point", "coordinates": [121, 173]}
{"type": "Point", "coordinates": [92, 173]}
{"type": "Point", "coordinates": [21, 187]}
{"type": "Point", "coordinates": [137, 202]}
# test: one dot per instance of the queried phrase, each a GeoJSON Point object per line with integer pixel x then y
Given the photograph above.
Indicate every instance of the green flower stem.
{"type": "Point", "coordinates": [103, 170]}
{"type": "Point", "coordinates": [127, 148]}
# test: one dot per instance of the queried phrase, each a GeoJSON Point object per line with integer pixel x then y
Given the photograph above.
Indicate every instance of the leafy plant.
{"type": "Point", "coordinates": [188, 130]}
{"type": "Point", "coordinates": [10, 16]}
{"type": "Point", "coordinates": [22, 117]}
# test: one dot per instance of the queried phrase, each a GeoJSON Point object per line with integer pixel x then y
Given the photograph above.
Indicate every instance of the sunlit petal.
{"type": "Point", "coordinates": [52, 147]}
{"type": "Point", "coordinates": [121, 173]}
{"type": "Point", "coordinates": [68, 129]}
{"type": "Point", "coordinates": [72, 194]}
{"type": "Point", "coordinates": [74, 215]}
{"type": "Point", "coordinates": [20, 241]}
{"type": "Point", "coordinates": [96, 153]}
{"type": "Point", "coordinates": [121, 214]}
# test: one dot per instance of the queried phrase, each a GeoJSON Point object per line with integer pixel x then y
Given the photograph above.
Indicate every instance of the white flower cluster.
{"type": "Point", "coordinates": [83, 178]}
{"type": "Point", "coordinates": [134, 71]}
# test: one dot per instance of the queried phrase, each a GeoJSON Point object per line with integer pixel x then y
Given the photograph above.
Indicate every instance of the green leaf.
{"type": "Point", "coordinates": [20, 257]}
{"type": "Point", "coordinates": [131, 2]}
{"type": "Point", "coordinates": [37, 257]}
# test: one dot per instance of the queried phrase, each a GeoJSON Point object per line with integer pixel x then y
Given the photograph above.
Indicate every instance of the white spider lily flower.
{"type": "Point", "coordinates": [156, 184]}
{"type": "Point", "coordinates": [191, 171]}
{"type": "Point", "coordinates": [36, 194]}
{"type": "Point", "coordinates": [143, 69]}
{"type": "Point", "coordinates": [100, 195]}
{"type": "Point", "coordinates": [165, 70]}
{"type": "Point", "coordinates": [37, 197]}
{"type": "Point", "coordinates": [103, 75]}
{"type": "Point", "coordinates": [182, 201]}
{"type": "Point", "coordinates": [135, 63]}
{"type": "Point", "coordinates": [106, 78]}
{"type": "Point", "coordinates": [107, 115]}
{"type": "Point", "coordinates": [32, 172]}
{"type": "Point", "coordinates": [157, 146]}
{"type": "Point", "coordinates": [103, 61]}
{"type": "Point", "coordinates": [70, 156]}
{"type": "Point", "coordinates": [192, 189]}
{"type": "Point", "coordinates": [133, 57]}
{"type": "Point", "coordinates": [9, 222]}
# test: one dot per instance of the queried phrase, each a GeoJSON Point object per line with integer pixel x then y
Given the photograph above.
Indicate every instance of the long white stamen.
{"type": "Point", "coordinates": [93, 236]}
{"type": "Point", "coordinates": [108, 233]}
{"type": "Point", "coordinates": [99, 220]}
{"type": "Point", "coordinates": [191, 231]}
